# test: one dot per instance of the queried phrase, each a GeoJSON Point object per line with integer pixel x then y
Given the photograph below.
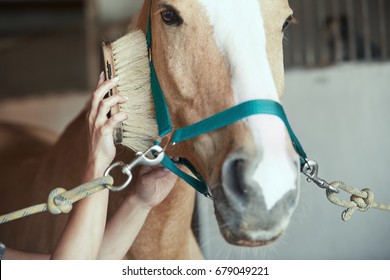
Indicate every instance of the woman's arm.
{"type": "Point", "coordinates": [152, 187]}
{"type": "Point", "coordinates": [84, 230]}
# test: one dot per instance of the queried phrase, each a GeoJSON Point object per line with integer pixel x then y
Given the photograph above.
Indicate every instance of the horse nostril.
{"type": "Point", "coordinates": [234, 177]}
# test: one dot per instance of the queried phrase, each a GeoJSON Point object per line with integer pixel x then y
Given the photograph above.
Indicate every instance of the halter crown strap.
{"type": "Point", "coordinates": [217, 121]}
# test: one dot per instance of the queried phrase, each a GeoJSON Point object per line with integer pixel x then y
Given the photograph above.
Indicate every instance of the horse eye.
{"type": "Point", "coordinates": [287, 23]}
{"type": "Point", "coordinates": [170, 17]}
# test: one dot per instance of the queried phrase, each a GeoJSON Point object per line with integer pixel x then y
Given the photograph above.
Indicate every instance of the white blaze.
{"type": "Point", "coordinates": [240, 35]}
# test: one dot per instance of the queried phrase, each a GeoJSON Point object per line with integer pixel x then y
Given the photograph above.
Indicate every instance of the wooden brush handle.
{"type": "Point", "coordinates": [109, 69]}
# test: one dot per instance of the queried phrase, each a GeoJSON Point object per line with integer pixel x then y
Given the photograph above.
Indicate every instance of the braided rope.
{"type": "Point", "coordinates": [362, 200]}
{"type": "Point", "coordinates": [61, 201]}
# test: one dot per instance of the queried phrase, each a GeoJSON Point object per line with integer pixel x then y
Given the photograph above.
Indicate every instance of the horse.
{"type": "Point", "coordinates": [209, 56]}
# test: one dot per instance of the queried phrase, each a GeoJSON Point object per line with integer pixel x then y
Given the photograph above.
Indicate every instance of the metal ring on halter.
{"type": "Point", "coordinates": [151, 157]}
{"type": "Point", "coordinates": [166, 141]}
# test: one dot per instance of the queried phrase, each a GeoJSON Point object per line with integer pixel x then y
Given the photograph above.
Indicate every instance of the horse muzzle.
{"type": "Point", "coordinates": [253, 211]}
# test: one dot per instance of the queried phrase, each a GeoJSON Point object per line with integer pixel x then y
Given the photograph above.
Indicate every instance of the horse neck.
{"type": "Point", "coordinates": [67, 158]}
{"type": "Point", "coordinates": [167, 232]}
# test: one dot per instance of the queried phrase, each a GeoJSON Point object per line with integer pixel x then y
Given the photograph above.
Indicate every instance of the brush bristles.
{"type": "Point", "coordinates": [132, 67]}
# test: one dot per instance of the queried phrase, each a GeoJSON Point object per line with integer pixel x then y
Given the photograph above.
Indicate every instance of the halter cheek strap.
{"type": "Point", "coordinates": [215, 122]}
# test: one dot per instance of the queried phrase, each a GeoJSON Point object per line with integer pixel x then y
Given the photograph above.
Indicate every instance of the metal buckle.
{"type": "Point", "coordinates": [151, 157]}
{"type": "Point", "coordinates": [209, 196]}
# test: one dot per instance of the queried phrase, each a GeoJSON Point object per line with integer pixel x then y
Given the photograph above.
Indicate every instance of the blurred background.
{"type": "Point", "coordinates": [336, 97]}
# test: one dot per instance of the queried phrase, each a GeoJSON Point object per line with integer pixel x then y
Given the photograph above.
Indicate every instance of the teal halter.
{"type": "Point", "coordinates": [217, 121]}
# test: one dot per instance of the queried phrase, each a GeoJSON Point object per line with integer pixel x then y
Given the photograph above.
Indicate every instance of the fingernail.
{"type": "Point", "coordinates": [101, 75]}
{"type": "Point", "coordinates": [116, 79]}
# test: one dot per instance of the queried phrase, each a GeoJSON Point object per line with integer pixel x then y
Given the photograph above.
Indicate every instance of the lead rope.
{"type": "Point", "coordinates": [60, 200]}
{"type": "Point", "coordinates": [362, 200]}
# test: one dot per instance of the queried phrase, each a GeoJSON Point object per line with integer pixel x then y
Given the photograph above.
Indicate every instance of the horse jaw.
{"type": "Point", "coordinates": [251, 166]}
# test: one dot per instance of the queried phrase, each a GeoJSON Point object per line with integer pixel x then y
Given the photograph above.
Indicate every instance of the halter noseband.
{"type": "Point", "coordinates": [217, 121]}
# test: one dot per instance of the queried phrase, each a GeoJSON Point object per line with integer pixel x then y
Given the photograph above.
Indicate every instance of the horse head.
{"type": "Point", "coordinates": [210, 56]}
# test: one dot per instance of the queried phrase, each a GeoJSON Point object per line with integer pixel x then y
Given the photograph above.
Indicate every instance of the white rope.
{"type": "Point", "coordinates": [60, 200]}
{"type": "Point", "coordinates": [362, 200]}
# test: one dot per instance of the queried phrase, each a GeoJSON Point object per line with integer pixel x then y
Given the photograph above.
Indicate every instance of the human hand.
{"type": "Point", "coordinates": [154, 185]}
{"type": "Point", "coordinates": [101, 147]}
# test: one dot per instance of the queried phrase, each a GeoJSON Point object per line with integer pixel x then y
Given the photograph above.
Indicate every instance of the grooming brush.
{"type": "Point", "coordinates": [127, 58]}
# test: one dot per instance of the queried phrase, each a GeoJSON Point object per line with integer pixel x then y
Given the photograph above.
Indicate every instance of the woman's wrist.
{"type": "Point", "coordinates": [94, 170]}
{"type": "Point", "coordinates": [135, 202]}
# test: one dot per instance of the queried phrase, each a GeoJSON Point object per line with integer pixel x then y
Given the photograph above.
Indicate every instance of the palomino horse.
{"type": "Point", "coordinates": [209, 56]}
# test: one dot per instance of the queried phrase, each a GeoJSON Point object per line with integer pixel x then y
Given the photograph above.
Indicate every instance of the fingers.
{"type": "Point", "coordinates": [99, 84]}
{"type": "Point", "coordinates": [147, 170]}
{"type": "Point", "coordinates": [105, 107]}
{"type": "Point", "coordinates": [99, 93]}
{"type": "Point", "coordinates": [112, 122]}
{"type": "Point", "coordinates": [151, 175]}
{"type": "Point", "coordinates": [100, 106]}
{"type": "Point", "coordinates": [101, 79]}
{"type": "Point", "coordinates": [154, 185]}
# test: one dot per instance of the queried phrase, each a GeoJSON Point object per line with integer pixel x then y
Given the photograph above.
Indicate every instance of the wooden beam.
{"type": "Point", "coordinates": [92, 44]}
{"type": "Point", "coordinates": [366, 30]}
{"type": "Point", "coordinates": [351, 30]}
{"type": "Point", "coordinates": [382, 29]}
{"type": "Point", "coordinates": [32, 6]}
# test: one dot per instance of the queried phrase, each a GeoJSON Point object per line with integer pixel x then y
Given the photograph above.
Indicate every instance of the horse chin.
{"type": "Point", "coordinates": [234, 240]}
